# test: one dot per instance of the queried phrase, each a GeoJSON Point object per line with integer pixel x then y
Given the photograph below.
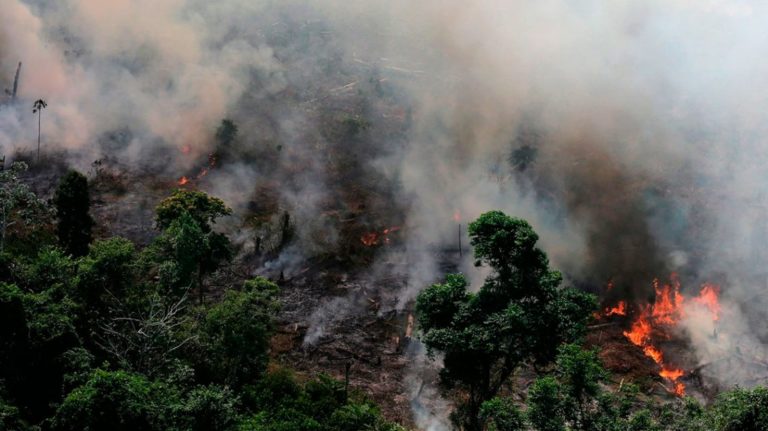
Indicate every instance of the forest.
{"type": "Point", "coordinates": [101, 334]}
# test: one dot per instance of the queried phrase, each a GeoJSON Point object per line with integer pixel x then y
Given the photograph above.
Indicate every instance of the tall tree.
{"type": "Point", "coordinates": [188, 247]}
{"type": "Point", "coordinates": [520, 314]}
{"type": "Point", "coordinates": [37, 108]}
{"type": "Point", "coordinates": [72, 200]}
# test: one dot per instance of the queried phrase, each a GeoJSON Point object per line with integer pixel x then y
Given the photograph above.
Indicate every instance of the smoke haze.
{"type": "Point", "coordinates": [632, 134]}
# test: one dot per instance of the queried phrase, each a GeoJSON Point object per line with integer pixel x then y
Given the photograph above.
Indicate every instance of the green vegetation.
{"type": "Point", "coordinates": [100, 335]}
{"type": "Point", "coordinates": [521, 315]}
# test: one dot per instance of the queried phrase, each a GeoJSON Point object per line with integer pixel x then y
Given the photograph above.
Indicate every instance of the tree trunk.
{"type": "Point", "coordinates": [39, 123]}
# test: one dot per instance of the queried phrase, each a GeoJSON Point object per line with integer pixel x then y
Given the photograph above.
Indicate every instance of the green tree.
{"type": "Point", "coordinates": [740, 410]}
{"type": "Point", "coordinates": [203, 209]}
{"type": "Point", "coordinates": [521, 313]}
{"type": "Point", "coordinates": [19, 206]}
{"type": "Point", "coordinates": [546, 405]}
{"type": "Point", "coordinates": [235, 333]}
{"type": "Point", "coordinates": [73, 202]}
{"type": "Point", "coordinates": [105, 272]}
{"type": "Point", "coordinates": [579, 372]}
{"type": "Point", "coordinates": [500, 414]}
{"type": "Point", "coordinates": [116, 400]}
{"type": "Point", "coordinates": [188, 249]}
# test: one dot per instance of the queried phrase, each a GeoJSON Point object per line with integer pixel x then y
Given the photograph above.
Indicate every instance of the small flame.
{"type": "Point", "coordinates": [203, 172]}
{"type": "Point", "coordinates": [456, 216]}
{"type": "Point", "coordinates": [619, 310]}
{"type": "Point", "coordinates": [375, 238]}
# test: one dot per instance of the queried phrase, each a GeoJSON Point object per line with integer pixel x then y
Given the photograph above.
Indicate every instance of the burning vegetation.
{"type": "Point", "coordinates": [656, 322]}
{"type": "Point", "coordinates": [268, 237]}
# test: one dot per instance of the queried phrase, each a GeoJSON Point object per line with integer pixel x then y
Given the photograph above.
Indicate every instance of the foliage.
{"type": "Point", "coordinates": [202, 208]}
{"type": "Point", "coordinates": [72, 201]}
{"type": "Point", "coordinates": [500, 414]}
{"type": "Point", "coordinates": [115, 400]}
{"type": "Point", "coordinates": [519, 314]}
{"type": "Point", "coordinates": [235, 333]}
{"type": "Point", "coordinates": [188, 249]}
{"type": "Point", "coordinates": [740, 410]}
{"type": "Point", "coordinates": [20, 208]}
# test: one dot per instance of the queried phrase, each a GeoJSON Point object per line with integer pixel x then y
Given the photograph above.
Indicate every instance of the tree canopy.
{"type": "Point", "coordinates": [521, 313]}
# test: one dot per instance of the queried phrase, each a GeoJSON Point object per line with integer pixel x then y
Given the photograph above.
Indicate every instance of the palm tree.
{"type": "Point", "coordinates": [38, 106]}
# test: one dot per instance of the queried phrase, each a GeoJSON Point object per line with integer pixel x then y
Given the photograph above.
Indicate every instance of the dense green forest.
{"type": "Point", "coordinates": [99, 334]}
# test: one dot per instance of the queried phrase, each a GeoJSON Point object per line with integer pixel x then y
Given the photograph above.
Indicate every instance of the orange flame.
{"type": "Point", "coordinates": [619, 310]}
{"type": "Point", "coordinates": [708, 297]}
{"type": "Point", "coordinates": [668, 307]}
{"type": "Point", "coordinates": [456, 216]}
{"type": "Point", "coordinates": [667, 310]}
{"type": "Point", "coordinates": [203, 172]}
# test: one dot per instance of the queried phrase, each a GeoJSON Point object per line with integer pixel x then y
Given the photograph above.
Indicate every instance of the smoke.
{"type": "Point", "coordinates": [629, 133]}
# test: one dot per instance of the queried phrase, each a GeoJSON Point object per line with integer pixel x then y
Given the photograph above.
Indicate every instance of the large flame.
{"type": "Point", "coordinates": [657, 320]}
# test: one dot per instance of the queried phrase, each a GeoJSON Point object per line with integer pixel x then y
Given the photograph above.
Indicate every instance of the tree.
{"type": "Point", "coordinates": [18, 204]}
{"type": "Point", "coordinates": [521, 313]}
{"type": "Point", "coordinates": [500, 414]}
{"type": "Point", "coordinates": [115, 400]}
{"type": "Point", "coordinates": [203, 209]}
{"type": "Point", "coordinates": [226, 134]}
{"type": "Point", "coordinates": [188, 248]}
{"type": "Point", "coordinates": [545, 405]}
{"type": "Point", "coordinates": [740, 410]}
{"type": "Point", "coordinates": [37, 108]}
{"type": "Point", "coordinates": [235, 333]}
{"type": "Point", "coordinates": [72, 201]}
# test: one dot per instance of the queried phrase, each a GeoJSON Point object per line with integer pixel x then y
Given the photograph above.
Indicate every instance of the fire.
{"type": "Point", "coordinates": [203, 172]}
{"type": "Point", "coordinates": [655, 320]}
{"type": "Point", "coordinates": [667, 309]}
{"type": "Point", "coordinates": [619, 310]}
{"type": "Point", "coordinates": [375, 238]}
{"type": "Point", "coordinates": [456, 216]}
{"type": "Point", "coordinates": [708, 297]}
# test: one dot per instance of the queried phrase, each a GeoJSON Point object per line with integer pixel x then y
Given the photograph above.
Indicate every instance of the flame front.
{"type": "Point", "coordinates": [657, 319]}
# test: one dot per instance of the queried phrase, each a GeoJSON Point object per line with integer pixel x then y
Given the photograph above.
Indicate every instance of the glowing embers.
{"type": "Point", "coordinates": [203, 172]}
{"type": "Point", "coordinates": [371, 239]}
